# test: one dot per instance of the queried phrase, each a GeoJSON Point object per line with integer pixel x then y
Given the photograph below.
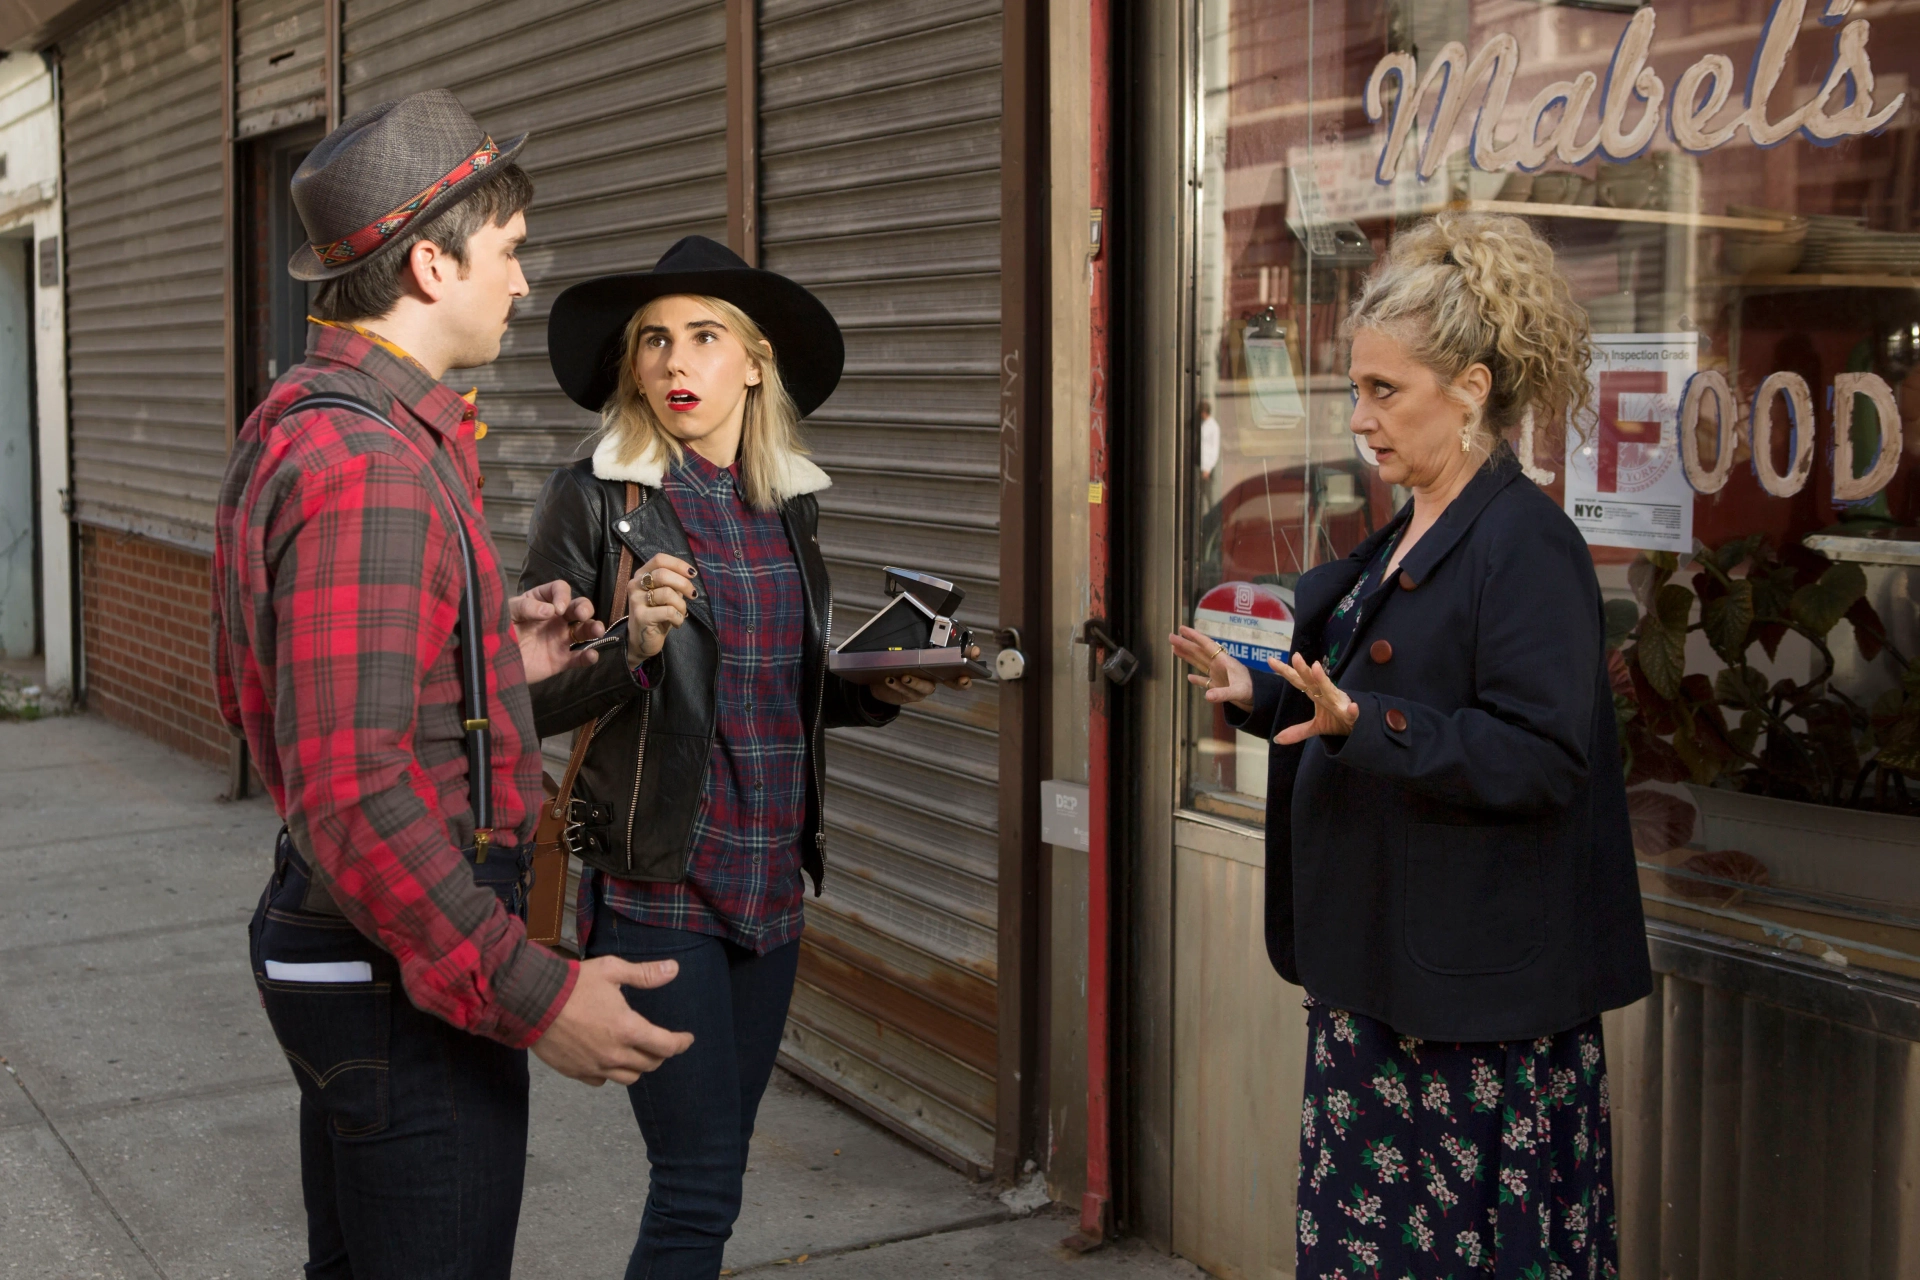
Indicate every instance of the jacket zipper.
{"type": "Point", "coordinates": [819, 734]}
{"type": "Point", "coordinates": [639, 765]}
{"type": "Point", "coordinates": [640, 756]}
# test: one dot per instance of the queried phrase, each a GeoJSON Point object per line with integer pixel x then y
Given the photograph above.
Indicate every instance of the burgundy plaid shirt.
{"type": "Point", "coordinates": [743, 873]}
{"type": "Point", "coordinates": [336, 588]}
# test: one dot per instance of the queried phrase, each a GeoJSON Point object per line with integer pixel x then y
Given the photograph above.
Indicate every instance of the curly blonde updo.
{"type": "Point", "coordinates": [1462, 289]}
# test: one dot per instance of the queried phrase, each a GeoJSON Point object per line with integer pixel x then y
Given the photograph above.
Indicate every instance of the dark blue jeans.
{"type": "Point", "coordinates": [696, 1112]}
{"type": "Point", "coordinates": [413, 1136]}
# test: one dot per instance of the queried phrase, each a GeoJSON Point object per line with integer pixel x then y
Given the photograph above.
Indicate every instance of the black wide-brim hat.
{"type": "Point", "coordinates": [391, 167]}
{"type": "Point", "coordinates": [589, 321]}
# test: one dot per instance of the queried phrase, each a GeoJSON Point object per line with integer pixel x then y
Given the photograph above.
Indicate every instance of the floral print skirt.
{"type": "Point", "coordinates": [1426, 1159]}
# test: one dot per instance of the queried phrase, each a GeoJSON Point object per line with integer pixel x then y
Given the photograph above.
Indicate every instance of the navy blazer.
{"type": "Point", "coordinates": [1460, 867]}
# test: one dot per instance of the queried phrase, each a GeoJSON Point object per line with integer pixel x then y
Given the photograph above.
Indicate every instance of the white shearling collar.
{"type": "Point", "coordinates": [648, 469]}
{"type": "Point", "coordinates": [797, 475]}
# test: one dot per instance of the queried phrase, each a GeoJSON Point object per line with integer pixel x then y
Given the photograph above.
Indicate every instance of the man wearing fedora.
{"type": "Point", "coordinates": [365, 645]}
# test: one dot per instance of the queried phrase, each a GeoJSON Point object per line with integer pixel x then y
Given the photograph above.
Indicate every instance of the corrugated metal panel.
{"type": "Point", "coordinates": [280, 70]}
{"type": "Point", "coordinates": [1756, 1140]}
{"type": "Point", "coordinates": [1753, 1137]}
{"type": "Point", "coordinates": [628, 155]}
{"type": "Point", "coordinates": [1239, 1040]}
{"type": "Point", "coordinates": [880, 189]}
{"type": "Point", "coordinates": [142, 112]}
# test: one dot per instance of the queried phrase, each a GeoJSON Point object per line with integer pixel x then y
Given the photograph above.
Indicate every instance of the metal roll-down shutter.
{"type": "Point", "coordinates": [628, 154]}
{"type": "Point", "coordinates": [280, 64]}
{"type": "Point", "coordinates": [142, 123]}
{"type": "Point", "coordinates": [880, 190]}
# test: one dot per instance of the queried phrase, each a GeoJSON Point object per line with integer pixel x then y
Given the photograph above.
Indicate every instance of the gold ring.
{"type": "Point", "coordinates": [1218, 649]}
{"type": "Point", "coordinates": [648, 597]}
{"type": "Point", "coordinates": [646, 585]}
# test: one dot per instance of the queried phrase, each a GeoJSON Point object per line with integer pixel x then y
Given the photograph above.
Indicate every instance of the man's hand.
{"type": "Point", "coordinates": [598, 1037]}
{"type": "Point", "coordinates": [545, 621]}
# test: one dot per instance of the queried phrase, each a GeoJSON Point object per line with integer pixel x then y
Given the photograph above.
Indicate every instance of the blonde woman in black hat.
{"type": "Point", "coordinates": [699, 800]}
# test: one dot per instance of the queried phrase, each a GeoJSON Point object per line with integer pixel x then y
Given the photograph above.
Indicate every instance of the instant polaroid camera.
{"type": "Point", "coordinates": [915, 634]}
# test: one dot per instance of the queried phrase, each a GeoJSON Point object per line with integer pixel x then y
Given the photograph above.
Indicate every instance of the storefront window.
{"type": "Point", "coordinates": [1733, 188]}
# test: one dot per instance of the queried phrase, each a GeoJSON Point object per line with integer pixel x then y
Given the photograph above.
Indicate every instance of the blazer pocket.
{"type": "Point", "coordinates": [1475, 898]}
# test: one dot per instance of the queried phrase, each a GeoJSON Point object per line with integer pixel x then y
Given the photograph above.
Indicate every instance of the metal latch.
{"type": "Point", "coordinates": [1120, 665]}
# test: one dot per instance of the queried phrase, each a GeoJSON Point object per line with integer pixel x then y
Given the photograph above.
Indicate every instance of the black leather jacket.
{"type": "Point", "coordinates": [644, 774]}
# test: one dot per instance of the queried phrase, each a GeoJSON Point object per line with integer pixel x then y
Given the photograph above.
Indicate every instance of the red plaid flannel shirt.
{"type": "Point", "coordinates": [336, 589]}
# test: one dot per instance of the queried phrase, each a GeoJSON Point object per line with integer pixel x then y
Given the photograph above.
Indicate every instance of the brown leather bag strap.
{"type": "Point", "coordinates": [583, 736]}
{"type": "Point", "coordinates": [625, 577]}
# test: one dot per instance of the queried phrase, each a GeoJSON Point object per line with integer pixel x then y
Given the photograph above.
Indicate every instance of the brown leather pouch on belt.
{"type": "Point", "coordinates": [555, 873]}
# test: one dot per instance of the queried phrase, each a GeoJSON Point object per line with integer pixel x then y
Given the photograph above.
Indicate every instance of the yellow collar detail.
{"type": "Point", "coordinates": [394, 348]}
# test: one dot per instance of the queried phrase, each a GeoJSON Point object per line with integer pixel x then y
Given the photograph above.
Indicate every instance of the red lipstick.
{"type": "Point", "coordinates": [680, 400]}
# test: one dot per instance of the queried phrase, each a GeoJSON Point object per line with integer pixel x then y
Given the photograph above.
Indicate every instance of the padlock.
{"type": "Point", "coordinates": [1009, 663]}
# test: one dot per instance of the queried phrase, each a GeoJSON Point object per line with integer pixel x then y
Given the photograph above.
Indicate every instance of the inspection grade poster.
{"type": "Point", "coordinates": [1625, 484]}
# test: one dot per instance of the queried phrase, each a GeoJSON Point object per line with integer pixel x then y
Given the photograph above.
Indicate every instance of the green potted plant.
{"type": "Point", "coordinates": [1788, 768]}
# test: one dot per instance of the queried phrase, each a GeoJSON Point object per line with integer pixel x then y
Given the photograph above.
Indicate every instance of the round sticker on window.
{"type": "Point", "coordinates": [1253, 621]}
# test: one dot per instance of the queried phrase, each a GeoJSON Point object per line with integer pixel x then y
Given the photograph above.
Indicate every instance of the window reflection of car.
{"type": "Point", "coordinates": [1274, 526]}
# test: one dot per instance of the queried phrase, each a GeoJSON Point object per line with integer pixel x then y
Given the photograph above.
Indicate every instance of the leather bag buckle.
{"type": "Point", "coordinates": [582, 841]}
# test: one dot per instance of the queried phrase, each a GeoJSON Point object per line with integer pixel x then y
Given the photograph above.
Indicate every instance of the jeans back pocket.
{"type": "Point", "coordinates": [336, 1035]}
{"type": "Point", "coordinates": [1475, 898]}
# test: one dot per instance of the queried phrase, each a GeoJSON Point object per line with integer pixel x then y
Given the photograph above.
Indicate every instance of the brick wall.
{"type": "Point", "coordinates": [146, 631]}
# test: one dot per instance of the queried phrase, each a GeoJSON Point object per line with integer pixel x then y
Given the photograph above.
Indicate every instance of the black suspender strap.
{"type": "Point", "coordinates": [473, 668]}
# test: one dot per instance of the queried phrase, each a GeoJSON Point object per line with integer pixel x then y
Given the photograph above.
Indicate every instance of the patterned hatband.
{"type": "Point", "coordinates": [380, 230]}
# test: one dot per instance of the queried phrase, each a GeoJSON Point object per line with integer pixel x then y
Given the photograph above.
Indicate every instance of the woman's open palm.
{"type": "Point", "coordinates": [1227, 678]}
{"type": "Point", "coordinates": [1333, 711]}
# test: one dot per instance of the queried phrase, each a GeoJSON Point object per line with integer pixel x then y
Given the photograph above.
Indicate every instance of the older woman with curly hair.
{"type": "Point", "coordinates": [1449, 868]}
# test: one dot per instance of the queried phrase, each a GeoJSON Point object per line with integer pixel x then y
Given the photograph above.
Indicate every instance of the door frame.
{"type": "Point", "coordinates": [1025, 358]}
{"type": "Point", "coordinates": [16, 244]}
{"type": "Point", "coordinates": [43, 227]}
{"type": "Point", "coordinates": [1151, 236]}
{"type": "Point", "coordinates": [263, 169]}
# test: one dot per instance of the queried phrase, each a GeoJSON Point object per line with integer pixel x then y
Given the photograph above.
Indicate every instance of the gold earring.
{"type": "Point", "coordinates": [1466, 434]}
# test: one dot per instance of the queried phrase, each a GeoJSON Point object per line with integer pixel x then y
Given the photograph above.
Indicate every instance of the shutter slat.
{"type": "Point", "coordinates": [881, 191]}
{"type": "Point", "coordinates": [140, 111]}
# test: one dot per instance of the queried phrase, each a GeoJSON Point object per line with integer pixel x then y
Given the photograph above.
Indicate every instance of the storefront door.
{"type": "Point", "coordinates": [275, 305]}
{"type": "Point", "coordinates": [1732, 190]}
{"type": "Point", "coordinates": [19, 523]}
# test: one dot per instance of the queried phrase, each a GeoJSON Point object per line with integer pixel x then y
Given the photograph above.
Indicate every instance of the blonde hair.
{"type": "Point", "coordinates": [770, 428]}
{"type": "Point", "coordinates": [1461, 289]}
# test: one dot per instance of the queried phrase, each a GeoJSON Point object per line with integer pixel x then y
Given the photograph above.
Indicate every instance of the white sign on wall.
{"type": "Point", "coordinates": [1626, 486]}
{"type": "Point", "coordinates": [1334, 181]}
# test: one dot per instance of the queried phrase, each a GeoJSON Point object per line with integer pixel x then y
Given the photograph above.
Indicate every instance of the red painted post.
{"type": "Point", "coordinates": [1096, 1204]}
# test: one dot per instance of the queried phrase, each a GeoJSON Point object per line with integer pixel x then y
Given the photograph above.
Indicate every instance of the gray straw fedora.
{"type": "Point", "coordinates": [382, 170]}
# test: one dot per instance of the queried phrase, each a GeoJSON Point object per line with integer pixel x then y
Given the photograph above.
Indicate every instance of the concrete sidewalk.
{"type": "Point", "coordinates": [147, 1124]}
